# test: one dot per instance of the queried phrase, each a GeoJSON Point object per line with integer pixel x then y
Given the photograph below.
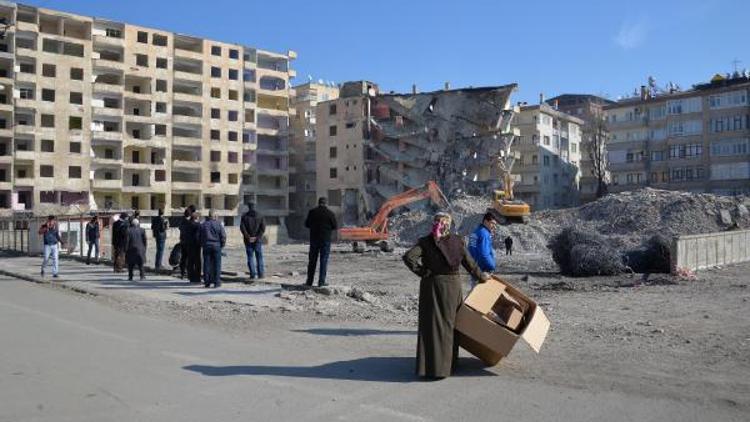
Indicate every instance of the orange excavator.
{"type": "Point", "coordinates": [377, 231]}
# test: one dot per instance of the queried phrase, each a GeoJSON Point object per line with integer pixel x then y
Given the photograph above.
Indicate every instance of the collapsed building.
{"type": "Point", "coordinates": [452, 136]}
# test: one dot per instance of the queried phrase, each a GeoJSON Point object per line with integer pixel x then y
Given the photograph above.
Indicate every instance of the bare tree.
{"type": "Point", "coordinates": [595, 137]}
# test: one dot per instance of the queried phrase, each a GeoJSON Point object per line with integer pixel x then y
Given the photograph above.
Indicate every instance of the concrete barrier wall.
{"type": "Point", "coordinates": [708, 250]}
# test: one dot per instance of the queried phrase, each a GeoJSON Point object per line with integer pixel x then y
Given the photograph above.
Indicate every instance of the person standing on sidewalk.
{"type": "Point", "coordinates": [192, 249]}
{"type": "Point", "coordinates": [92, 238]}
{"type": "Point", "coordinates": [135, 248]}
{"type": "Point", "coordinates": [253, 228]}
{"type": "Point", "coordinates": [119, 239]}
{"type": "Point", "coordinates": [212, 239]}
{"type": "Point", "coordinates": [185, 227]}
{"type": "Point", "coordinates": [51, 237]}
{"type": "Point", "coordinates": [159, 227]}
{"type": "Point", "coordinates": [322, 222]}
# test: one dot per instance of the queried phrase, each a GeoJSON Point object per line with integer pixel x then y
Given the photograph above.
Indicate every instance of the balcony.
{"type": "Point", "coordinates": [188, 54]}
{"type": "Point", "coordinates": [24, 181]}
{"type": "Point", "coordinates": [27, 26]}
{"type": "Point", "coordinates": [193, 120]}
{"type": "Point", "coordinates": [25, 130]}
{"type": "Point", "coordinates": [107, 111]}
{"type": "Point", "coordinates": [109, 41]}
{"type": "Point", "coordinates": [106, 136]}
{"type": "Point", "coordinates": [186, 186]}
{"type": "Point", "coordinates": [110, 64]}
{"type": "Point", "coordinates": [108, 88]}
{"type": "Point", "coordinates": [186, 141]}
{"type": "Point", "coordinates": [25, 155]}
{"type": "Point", "coordinates": [187, 164]}
{"type": "Point", "coordinates": [105, 162]}
{"type": "Point", "coordinates": [26, 77]}
{"type": "Point", "coordinates": [136, 118]}
{"type": "Point", "coordinates": [188, 76]}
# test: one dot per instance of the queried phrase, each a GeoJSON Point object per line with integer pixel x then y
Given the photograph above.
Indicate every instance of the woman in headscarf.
{"type": "Point", "coordinates": [436, 258]}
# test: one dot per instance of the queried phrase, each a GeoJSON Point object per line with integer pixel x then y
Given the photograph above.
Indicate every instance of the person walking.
{"type": "Point", "coordinates": [436, 259]}
{"type": "Point", "coordinates": [119, 240]}
{"type": "Point", "coordinates": [192, 249]}
{"type": "Point", "coordinates": [135, 248]}
{"type": "Point", "coordinates": [508, 245]}
{"type": "Point", "coordinates": [253, 228]}
{"type": "Point", "coordinates": [159, 227]}
{"type": "Point", "coordinates": [50, 238]}
{"type": "Point", "coordinates": [212, 237]}
{"type": "Point", "coordinates": [92, 238]}
{"type": "Point", "coordinates": [184, 228]}
{"type": "Point", "coordinates": [480, 245]}
{"type": "Point", "coordinates": [322, 223]}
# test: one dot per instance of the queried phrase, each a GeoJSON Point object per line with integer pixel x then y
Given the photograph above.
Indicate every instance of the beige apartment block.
{"type": "Point", "coordinates": [694, 140]}
{"type": "Point", "coordinates": [98, 114]}
{"type": "Point", "coordinates": [303, 194]}
{"type": "Point", "coordinates": [547, 174]}
{"type": "Point", "coordinates": [342, 131]}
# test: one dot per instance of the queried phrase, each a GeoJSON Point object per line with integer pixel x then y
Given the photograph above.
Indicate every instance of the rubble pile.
{"type": "Point", "coordinates": [581, 253]}
{"type": "Point", "coordinates": [628, 221]}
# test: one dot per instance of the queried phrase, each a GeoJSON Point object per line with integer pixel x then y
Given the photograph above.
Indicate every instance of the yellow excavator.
{"type": "Point", "coordinates": [505, 208]}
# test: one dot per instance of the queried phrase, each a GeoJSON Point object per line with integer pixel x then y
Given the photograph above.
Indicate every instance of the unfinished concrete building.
{"type": "Point", "coordinates": [451, 136]}
{"type": "Point", "coordinates": [303, 172]}
{"type": "Point", "coordinates": [102, 114]}
{"type": "Point", "coordinates": [547, 175]}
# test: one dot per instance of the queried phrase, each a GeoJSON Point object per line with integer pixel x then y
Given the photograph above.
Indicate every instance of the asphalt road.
{"type": "Point", "coordinates": [64, 357]}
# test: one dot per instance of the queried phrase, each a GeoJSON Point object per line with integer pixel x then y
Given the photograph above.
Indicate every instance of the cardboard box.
{"type": "Point", "coordinates": [488, 340]}
{"type": "Point", "coordinates": [509, 311]}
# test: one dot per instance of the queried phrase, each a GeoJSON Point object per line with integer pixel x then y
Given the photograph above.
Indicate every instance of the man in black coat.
{"type": "Point", "coordinates": [135, 248]}
{"type": "Point", "coordinates": [192, 249]}
{"type": "Point", "coordinates": [322, 223]}
{"type": "Point", "coordinates": [119, 239]}
{"type": "Point", "coordinates": [253, 228]}
{"type": "Point", "coordinates": [184, 229]}
{"type": "Point", "coordinates": [159, 227]}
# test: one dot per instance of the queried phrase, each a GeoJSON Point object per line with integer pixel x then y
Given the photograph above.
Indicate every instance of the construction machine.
{"type": "Point", "coordinates": [505, 208]}
{"type": "Point", "coordinates": [377, 231]}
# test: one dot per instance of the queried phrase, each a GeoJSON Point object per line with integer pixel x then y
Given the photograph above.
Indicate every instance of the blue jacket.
{"type": "Point", "coordinates": [480, 248]}
{"type": "Point", "coordinates": [211, 233]}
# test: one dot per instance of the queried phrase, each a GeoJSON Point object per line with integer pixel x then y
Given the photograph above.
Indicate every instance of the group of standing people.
{"type": "Point", "coordinates": [129, 243]}
{"type": "Point", "coordinates": [208, 237]}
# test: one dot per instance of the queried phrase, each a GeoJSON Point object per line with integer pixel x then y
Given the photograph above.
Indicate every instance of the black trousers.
{"type": "Point", "coordinates": [193, 263]}
{"type": "Point", "coordinates": [133, 264]}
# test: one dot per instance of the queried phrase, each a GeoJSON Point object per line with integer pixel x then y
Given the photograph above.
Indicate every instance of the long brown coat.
{"type": "Point", "coordinates": [440, 296]}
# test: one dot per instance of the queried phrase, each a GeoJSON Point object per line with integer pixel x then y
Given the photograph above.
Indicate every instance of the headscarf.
{"type": "Point", "coordinates": [441, 225]}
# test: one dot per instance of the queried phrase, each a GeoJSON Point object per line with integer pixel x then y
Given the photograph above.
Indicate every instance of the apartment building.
{"type": "Point", "coordinates": [100, 114]}
{"type": "Point", "coordinates": [342, 131]}
{"type": "Point", "coordinates": [694, 140]}
{"type": "Point", "coordinates": [303, 174]}
{"type": "Point", "coordinates": [589, 108]}
{"type": "Point", "coordinates": [548, 172]}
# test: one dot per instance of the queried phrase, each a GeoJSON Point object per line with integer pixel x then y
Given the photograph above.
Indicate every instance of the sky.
{"type": "Point", "coordinates": [545, 46]}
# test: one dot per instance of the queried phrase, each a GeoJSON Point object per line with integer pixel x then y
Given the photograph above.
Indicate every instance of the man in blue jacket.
{"type": "Point", "coordinates": [480, 245]}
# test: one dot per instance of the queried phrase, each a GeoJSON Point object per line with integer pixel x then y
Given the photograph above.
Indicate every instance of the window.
{"type": "Point", "coordinates": [74, 172]}
{"type": "Point", "coordinates": [74, 147]}
{"type": "Point", "coordinates": [159, 40]}
{"type": "Point", "coordinates": [333, 173]}
{"type": "Point", "coordinates": [215, 92]}
{"type": "Point", "coordinates": [351, 125]}
{"type": "Point", "coordinates": [546, 140]}
{"type": "Point", "coordinates": [160, 175]}
{"type": "Point", "coordinates": [234, 74]}
{"type": "Point", "coordinates": [48, 145]}
{"type": "Point", "coordinates": [232, 157]}
{"type": "Point", "coordinates": [215, 135]}
{"type": "Point", "coordinates": [232, 115]}
{"type": "Point", "coordinates": [332, 152]}
{"type": "Point", "coordinates": [142, 37]}
{"type": "Point", "coordinates": [141, 60]}
{"type": "Point", "coordinates": [161, 85]}
{"type": "Point", "coordinates": [546, 160]}
{"type": "Point", "coordinates": [49, 70]}
{"type": "Point", "coordinates": [48, 120]}
{"type": "Point", "coordinates": [113, 33]}
{"type": "Point", "coordinates": [76, 74]}
{"type": "Point", "coordinates": [75, 123]}
{"type": "Point", "coordinates": [27, 68]}
{"type": "Point", "coordinates": [136, 133]}
{"type": "Point", "coordinates": [332, 109]}
{"type": "Point", "coordinates": [160, 130]}
{"type": "Point", "coordinates": [534, 159]}
{"type": "Point", "coordinates": [109, 154]}
{"type": "Point", "coordinates": [26, 93]}
{"type": "Point", "coordinates": [215, 177]}
{"type": "Point", "coordinates": [657, 155]}
{"type": "Point", "coordinates": [215, 113]}
{"type": "Point", "coordinates": [76, 98]}
{"type": "Point", "coordinates": [161, 62]}
{"type": "Point", "coordinates": [46, 171]}
{"type": "Point", "coordinates": [48, 95]}
{"type": "Point", "coordinates": [233, 95]}
{"type": "Point", "coordinates": [215, 72]}
{"type": "Point", "coordinates": [215, 156]}
{"type": "Point", "coordinates": [215, 50]}
{"type": "Point", "coordinates": [234, 53]}
{"type": "Point", "coordinates": [161, 107]}
{"type": "Point", "coordinates": [232, 136]}
{"type": "Point", "coordinates": [332, 131]}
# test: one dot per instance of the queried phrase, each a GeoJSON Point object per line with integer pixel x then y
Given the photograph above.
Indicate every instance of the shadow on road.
{"type": "Point", "coordinates": [380, 369]}
{"type": "Point", "coordinates": [354, 332]}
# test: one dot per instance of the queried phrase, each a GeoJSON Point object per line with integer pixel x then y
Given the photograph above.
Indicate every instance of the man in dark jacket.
{"type": "Point", "coordinates": [119, 239]}
{"type": "Point", "coordinates": [212, 238]}
{"type": "Point", "coordinates": [50, 237]}
{"type": "Point", "coordinates": [509, 245]}
{"type": "Point", "coordinates": [192, 249]}
{"type": "Point", "coordinates": [92, 238]}
{"type": "Point", "coordinates": [184, 228]}
{"type": "Point", "coordinates": [159, 228]}
{"type": "Point", "coordinates": [321, 223]}
{"type": "Point", "coordinates": [253, 228]}
{"type": "Point", "coordinates": [135, 248]}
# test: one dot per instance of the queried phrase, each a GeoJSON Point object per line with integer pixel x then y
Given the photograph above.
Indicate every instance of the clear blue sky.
{"type": "Point", "coordinates": [598, 47]}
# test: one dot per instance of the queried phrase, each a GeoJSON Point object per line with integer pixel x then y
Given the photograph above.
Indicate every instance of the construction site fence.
{"type": "Point", "coordinates": [695, 252]}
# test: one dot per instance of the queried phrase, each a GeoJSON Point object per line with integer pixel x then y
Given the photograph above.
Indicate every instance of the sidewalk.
{"type": "Point", "coordinates": [100, 280]}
